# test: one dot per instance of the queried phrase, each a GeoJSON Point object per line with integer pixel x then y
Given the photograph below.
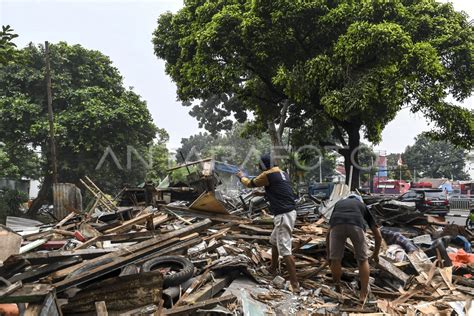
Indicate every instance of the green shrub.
{"type": "Point", "coordinates": [10, 203]}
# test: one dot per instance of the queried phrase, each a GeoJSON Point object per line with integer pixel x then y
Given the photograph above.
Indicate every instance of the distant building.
{"type": "Point", "coordinates": [28, 186]}
{"type": "Point", "coordinates": [339, 174]}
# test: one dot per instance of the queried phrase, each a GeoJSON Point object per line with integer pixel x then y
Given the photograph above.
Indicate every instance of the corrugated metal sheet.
{"type": "Point", "coordinates": [19, 224]}
{"type": "Point", "coordinates": [66, 195]}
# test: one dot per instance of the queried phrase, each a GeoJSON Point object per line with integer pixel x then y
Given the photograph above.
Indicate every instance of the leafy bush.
{"type": "Point", "coordinates": [10, 202]}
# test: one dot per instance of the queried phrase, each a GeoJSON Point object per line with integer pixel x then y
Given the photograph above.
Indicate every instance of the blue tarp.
{"type": "Point", "coordinates": [227, 168]}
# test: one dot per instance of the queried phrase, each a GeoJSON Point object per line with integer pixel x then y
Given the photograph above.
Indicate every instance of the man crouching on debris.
{"type": "Point", "coordinates": [280, 194]}
{"type": "Point", "coordinates": [347, 221]}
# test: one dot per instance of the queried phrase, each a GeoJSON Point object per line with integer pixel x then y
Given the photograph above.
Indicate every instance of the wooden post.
{"type": "Point", "coordinates": [350, 177]}
{"type": "Point", "coordinates": [54, 162]}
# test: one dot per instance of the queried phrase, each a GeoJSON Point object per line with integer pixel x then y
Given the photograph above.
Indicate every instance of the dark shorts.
{"type": "Point", "coordinates": [337, 241]}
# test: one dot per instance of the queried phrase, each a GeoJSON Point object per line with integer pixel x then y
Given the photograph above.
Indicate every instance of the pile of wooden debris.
{"type": "Point", "coordinates": [210, 256]}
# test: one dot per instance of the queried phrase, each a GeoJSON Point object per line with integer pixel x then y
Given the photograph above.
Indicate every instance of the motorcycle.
{"type": "Point", "coordinates": [470, 219]}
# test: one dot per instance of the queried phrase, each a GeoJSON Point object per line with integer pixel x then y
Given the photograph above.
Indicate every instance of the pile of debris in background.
{"type": "Point", "coordinates": [184, 248]}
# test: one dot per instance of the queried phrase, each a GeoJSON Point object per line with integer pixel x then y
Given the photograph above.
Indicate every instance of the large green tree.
{"type": "Point", "coordinates": [436, 159]}
{"type": "Point", "coordinates": [330, 69]}
{"type": "Point", "coordinates": [96, 118]}
{"type": "Point", "coordinates": [7, 47]}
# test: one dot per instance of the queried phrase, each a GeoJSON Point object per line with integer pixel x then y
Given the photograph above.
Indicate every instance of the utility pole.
{"type": "Point", "coordinates": [54, 162]}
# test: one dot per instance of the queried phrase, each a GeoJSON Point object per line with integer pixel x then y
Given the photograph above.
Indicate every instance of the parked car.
{"type": "Point", "coordinates": [428, 201]}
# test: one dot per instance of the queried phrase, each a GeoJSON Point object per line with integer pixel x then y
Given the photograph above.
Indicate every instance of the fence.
{"type": "Point", "coordinates": [461, 203]}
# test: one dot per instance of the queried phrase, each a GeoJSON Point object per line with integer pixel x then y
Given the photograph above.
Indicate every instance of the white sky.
{"type": "Point", "coordinates": [122, 30]}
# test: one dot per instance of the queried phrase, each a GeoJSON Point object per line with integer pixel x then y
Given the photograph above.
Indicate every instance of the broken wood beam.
{"type": "Point", "coordinates": [258, 238]}
{"type": "Point", "coordinates": [393, 270]}
{"type": "Point", "coordinates": [190, 309]}
{"type": "Point", "coordinates": [133, 253]}
{"type": "Point", "coordinates": [208, 290]}
{"type": "Point", "coordinates": [138, 289]}
{"type": "Point", "coordinates": [36, 258]}
{"type": "Point", "coordinates": [29, 293]}
{"type": "Point", "coordinates": [221, 218]}
{"type": "Point", "coordinates": [256, 229]}
{"type": "Point", "coordinates": [152, 243]}
{"type": "Point", "coordinates": [101, 309]}
{"type": "Point", "coordinates": [127, 225]}
{"type": "Point", "coordinates": [37, 273]}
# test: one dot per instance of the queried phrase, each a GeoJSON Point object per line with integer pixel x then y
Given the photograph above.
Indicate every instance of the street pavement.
{"type": "Point", "coordinates": [454, 217]}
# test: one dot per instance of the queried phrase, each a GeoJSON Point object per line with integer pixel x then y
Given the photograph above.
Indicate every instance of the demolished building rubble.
{"type": "Point", "coordinates": [211, 255]}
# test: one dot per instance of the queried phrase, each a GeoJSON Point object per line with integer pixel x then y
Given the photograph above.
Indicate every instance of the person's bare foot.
{"type": "Point", "coordinates": [295, 288]}
{"type": "Point", "coordinates": [364, 295]}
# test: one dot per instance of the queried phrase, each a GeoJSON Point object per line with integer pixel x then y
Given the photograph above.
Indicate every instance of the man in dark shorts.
{"type": "Point", "coordinates": [280, 194]}
{"type": "Point", "coordinates": [348, 221]}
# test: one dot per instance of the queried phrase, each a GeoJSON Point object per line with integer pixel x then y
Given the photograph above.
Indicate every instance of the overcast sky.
{"type": "Point", "coordinates": [122, 29]}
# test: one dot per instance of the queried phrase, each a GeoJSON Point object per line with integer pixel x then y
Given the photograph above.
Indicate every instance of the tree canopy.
{"type": "Point", "coordinates": [94, 115]}
{"type": "Point", "coordinates": [326, 69]}
{"type": "Point", "coordinates": [7, 47]}
{"type": "Point", "coordinates": [436, 159]}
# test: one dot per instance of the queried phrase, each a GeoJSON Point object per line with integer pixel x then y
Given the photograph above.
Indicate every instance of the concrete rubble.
{"type": "Point", "coordinates": [188, 249]}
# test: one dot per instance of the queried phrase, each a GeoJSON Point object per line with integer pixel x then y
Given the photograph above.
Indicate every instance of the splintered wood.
{"type": "Point", "coordinates": [210, 256]}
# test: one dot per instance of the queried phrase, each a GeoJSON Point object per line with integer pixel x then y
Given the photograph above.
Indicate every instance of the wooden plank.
{"type": "Point", "coordinates": [247, 237]}
{"type": "Point", "coordinates": [111, 266]}
{"type": "Point", "coordinates": [256, 229]}
{"type": "Point", "coordinates": [11, 288]}
{"type": "Point", "coordinates": [189, 164]}
{"type": "Point", "coordinates": [425, 268]}
{"type": "Point", "coordinates": [127, 225]}
{"type": "Point", "coordinates": [138, 289]}
{"type": "Point", "coordinates": [29, 293]}
{"type": "Point", "coordinates": [131, 254]}
{"type": "Point", "coordinates": [153, 242]}
{"type": "Point", "coordinates": [65, 219]}
{"type": "Point", "coordinates": [37, 273]}
{"type": "Point", "coordinates": [36, 258]}
{"type": "Point", "coordinates": [208, 290]}
{"type": "Point", "coordinates": [129, 236]}
{"type": "Point", "coordinates": [393, 270]}
{"type": "Point", "coordinates": [222, 218]}
{"type": "Point", "coordinates": [101, 309]}
{"type": "Point", "coordinates": [190, 309]}
{"type": "Point", "coordinates": [196, 284]}
{"type": "Point", "coordinates": [394, 295]}
{"type": "Point", "coordinates": [218, 234]}
{"type": "Point", "coordinates": [13, 265]}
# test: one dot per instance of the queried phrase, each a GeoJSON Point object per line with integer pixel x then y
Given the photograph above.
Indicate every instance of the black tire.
{"type": "Point", "coordinates": [468, 223]}
{"type": "Point", "coordinates": [183, 267]}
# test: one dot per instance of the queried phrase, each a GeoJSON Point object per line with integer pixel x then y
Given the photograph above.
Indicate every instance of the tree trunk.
{"type": "Point", "coordinates": [278, 150]}
{"type": "Point", "coordinates": [45, 196]}
{"type": "Point", "coordinates": [351, 155]}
